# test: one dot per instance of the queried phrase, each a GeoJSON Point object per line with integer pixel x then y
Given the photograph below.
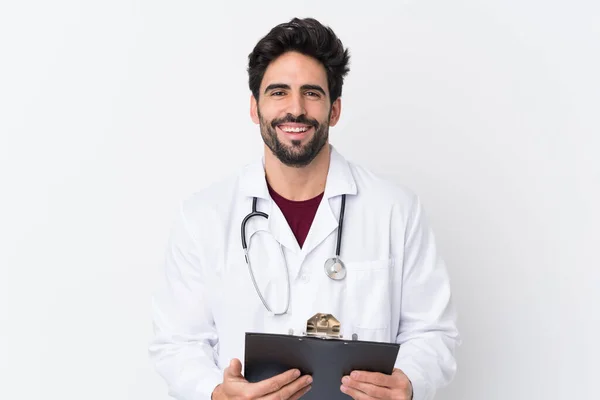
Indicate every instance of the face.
{"type": "Point", "coordinates": [294, 109]}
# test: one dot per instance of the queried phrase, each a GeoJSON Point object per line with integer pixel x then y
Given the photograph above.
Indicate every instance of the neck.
{"type": "Point", "coordinates": [298, 184]}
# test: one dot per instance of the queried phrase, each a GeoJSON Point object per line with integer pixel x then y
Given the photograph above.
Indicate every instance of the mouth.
{"type": "Point", "coordinates": [295, 131]}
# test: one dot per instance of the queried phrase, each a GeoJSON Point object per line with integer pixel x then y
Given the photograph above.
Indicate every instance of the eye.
{"type": "Point", "coordinates": [278, 93]}
{"type": "Point", "coordinates": [313, 94]}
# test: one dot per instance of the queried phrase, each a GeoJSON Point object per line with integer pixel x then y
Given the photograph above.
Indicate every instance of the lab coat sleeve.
{"type": "Point", "coordinates": [182, 349]}
{"type": "Point", "coordinates": [427, 332]}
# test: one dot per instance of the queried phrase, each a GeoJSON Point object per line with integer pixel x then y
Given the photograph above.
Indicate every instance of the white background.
{"type": "Point", "coordinates": [111, 112]}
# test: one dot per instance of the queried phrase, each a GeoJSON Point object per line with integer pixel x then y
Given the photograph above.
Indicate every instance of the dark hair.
{"type": "Point", "coordinates": [306, 36]}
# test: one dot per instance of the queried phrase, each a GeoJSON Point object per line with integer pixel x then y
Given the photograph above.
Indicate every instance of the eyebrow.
{"type": "Point", "coordinates": [314, 87]}
{"type": "Point", "coordinates": [276, 86]}
{"type": "Point", "coordinates": [287, 87]}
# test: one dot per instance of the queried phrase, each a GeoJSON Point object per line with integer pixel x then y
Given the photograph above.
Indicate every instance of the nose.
{"type": "Point", "coordinates": [296, 106]}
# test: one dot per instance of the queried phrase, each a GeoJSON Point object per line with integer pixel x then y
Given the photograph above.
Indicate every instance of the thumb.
{"type": "Point", "coordinates": [235, 369]}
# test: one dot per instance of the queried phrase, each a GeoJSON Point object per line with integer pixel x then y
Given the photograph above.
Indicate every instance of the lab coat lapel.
{"type": "Point", "coordinates": [280, 228]}
{"type": "Point", "coordinates": [339, 181]}
{"type": "Point", "coordinates": [253, 184]}
{"type": "Point", "coordinates": [323, 225]}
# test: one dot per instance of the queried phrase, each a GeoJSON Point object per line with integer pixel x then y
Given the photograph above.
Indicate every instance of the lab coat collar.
{"type": "Point", "coordinates": [339, 178]}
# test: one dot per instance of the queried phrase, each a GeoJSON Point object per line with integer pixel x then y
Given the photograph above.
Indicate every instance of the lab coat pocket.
{"type": "Point", "coordinates": [368, 294]}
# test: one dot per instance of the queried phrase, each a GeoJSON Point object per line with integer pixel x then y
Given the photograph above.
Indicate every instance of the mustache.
{"type": "Point", "coordinates": [301, 119]}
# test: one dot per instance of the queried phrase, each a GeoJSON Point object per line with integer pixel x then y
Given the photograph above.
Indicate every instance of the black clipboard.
{"type": "Point", "coordinates": [327, 360]}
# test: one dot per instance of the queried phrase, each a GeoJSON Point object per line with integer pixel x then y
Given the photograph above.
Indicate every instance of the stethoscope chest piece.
{"type": "Point", "coordinates": [335, 269]}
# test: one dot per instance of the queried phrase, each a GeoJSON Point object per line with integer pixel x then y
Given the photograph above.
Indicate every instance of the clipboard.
{"type": "Point", "coordinates": [326, 358]}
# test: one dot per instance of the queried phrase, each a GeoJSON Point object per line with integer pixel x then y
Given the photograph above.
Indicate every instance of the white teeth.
{"type": "Point", "coordinates": [295, 130]}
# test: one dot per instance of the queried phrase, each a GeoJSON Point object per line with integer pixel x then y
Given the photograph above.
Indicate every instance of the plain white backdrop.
{"type": "Point", "coordinates": [111, 112]}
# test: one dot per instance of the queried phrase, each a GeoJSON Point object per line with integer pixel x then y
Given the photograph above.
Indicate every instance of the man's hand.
{"type": "Point", "coordinates": [288, 385]}
{"type": "Point", "coordinates": [363, 385]}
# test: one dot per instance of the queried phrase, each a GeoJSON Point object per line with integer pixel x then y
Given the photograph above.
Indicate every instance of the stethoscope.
{"type": "Point", "coordinates": [334, 267]}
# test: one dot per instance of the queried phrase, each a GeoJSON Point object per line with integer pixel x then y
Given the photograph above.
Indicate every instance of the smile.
{"type": "Point", "coordinates": [294, 129]}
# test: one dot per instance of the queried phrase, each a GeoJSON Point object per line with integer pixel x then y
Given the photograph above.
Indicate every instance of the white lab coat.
{"type": "Point", "coordinates": [396, 289]}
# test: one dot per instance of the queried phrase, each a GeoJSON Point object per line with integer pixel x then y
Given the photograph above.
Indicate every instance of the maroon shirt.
{"type": "Point", "coordinates": [299, 214]}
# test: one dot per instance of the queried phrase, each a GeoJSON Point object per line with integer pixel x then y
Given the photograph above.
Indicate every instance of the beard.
{"type": "Point", "coordinates": [297, 155]}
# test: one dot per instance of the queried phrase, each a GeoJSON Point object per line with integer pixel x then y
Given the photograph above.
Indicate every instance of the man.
{"type": "Point", "coordinates": [396, 288]}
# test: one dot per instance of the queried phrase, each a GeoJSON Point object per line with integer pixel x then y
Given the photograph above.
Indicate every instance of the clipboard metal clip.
{"type": "Point", "coordinates": [325, 326]}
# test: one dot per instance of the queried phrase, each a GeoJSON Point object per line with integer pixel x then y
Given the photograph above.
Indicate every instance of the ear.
{"type": "Point", "coordinates": [254, 110]}
{"type": "Point", "coordinates": [336, 110]}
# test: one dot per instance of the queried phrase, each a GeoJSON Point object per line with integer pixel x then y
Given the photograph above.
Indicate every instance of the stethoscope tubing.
{"type": "Point", "coordinates": [255, 213]}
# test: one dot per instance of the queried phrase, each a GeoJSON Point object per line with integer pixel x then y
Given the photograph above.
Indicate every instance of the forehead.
{"type": "Point", "coordinates": [295, 69]}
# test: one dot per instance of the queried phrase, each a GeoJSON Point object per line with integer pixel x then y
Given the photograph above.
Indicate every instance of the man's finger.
{"type": "Point", "coordinates": [274, 384]}
{"type": "Point", "coordinates": [375, 378]}
{"type": "Point", "coordinates": [372, 390]}
{"type": "Point", "coordinates": [355, 394]}
{"type": "Point", "coordinates": [404, 383]}
{"type": "Point", "coordinates": [292, 390]}
{"type": "Point", "coordinates": [234, 370]}
{"type": "Point", "coordinates": [301, 392]}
